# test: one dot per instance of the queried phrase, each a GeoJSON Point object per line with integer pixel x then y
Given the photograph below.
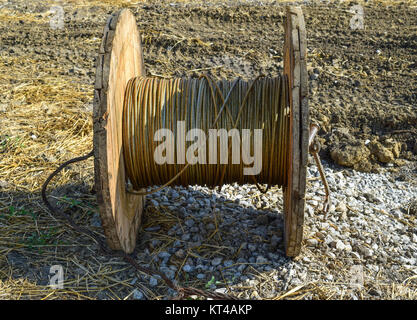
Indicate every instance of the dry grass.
{"type": "Point", "coordinates": [45, 119]}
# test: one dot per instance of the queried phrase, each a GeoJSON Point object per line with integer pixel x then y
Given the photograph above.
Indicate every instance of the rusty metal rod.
{"type": "Point", "coordinates": [314, 148]}
{"type": "Point", "coordinates": [314, 128]}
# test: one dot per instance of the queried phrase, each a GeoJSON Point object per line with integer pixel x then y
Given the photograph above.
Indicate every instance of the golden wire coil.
{"type": "Point", "coordinates": [152, 103]}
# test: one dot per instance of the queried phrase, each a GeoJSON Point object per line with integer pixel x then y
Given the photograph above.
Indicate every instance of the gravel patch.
{"type": "Point", "coordinates": [233, 238]}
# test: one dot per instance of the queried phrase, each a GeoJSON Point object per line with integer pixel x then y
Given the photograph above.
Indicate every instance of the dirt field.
{"type": "Point", "coordinates": [363, 94]}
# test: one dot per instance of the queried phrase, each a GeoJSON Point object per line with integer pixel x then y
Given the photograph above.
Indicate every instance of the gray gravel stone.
{"type": "Point", "coordinates": [189, 222]}
{"type": "Point", "coordinates": [96, 220]}
{"type": "Point", "coordinates": [164, 254]}
{"type": "Point", "coordinates": [185, 237]}
{"type": "Point", "coordinates": [137, 295]}
{"type": "Point", "coordinates": [216, 261]}
{"type": "Point", "coordinates": [154, 203]}
{"type": "Point", "coordinates": [153, 282]}
{"type": "Point", "coordinates": [312, 242]}
{"type": "Point", "coordinates": [187, 268]}
{"type": "Point", "coordinates": [262, 219]}
{"type": "Point", "coordinates": [261, 259]}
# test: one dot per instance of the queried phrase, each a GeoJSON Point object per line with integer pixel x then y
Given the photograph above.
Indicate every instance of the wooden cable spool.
{"type": "Point", "coordinates": [120, 59]}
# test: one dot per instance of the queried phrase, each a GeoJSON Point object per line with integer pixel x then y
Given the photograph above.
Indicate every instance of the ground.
{"type": "Point", "coordinates": [362, 94]}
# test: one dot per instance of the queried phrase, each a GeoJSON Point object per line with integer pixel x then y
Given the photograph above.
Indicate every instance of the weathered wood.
{"type": "Point", "coordinates": [296, 71]}
{"type": "Point", "coordinates": [120, 58]}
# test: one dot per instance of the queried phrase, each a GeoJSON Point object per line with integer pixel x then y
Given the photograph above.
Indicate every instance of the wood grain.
{"type": "Point", "coordinates": [295, 68]}
{"type": "Point", "coordinates": [120, 58]}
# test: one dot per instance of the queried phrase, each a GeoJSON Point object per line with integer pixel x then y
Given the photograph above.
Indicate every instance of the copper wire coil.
{"type": "Point", "coordinates": [155, 103]}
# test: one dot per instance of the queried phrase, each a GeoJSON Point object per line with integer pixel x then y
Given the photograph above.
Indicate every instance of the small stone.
{"type": "Point", "coordinates": [329, 277]}
{"type": "Point", "coordinates": [405, 238]}
{"type": "Point", "coordinates": [375, 292]}
{"type": "Point", "coordinates": [314, 76]}
{"type": "Point", "coordinates": [137, 295]}
{"type": "Point", "coordinates": [154, 203]}
{"type": "Point", "coordinates": [164, 254]}
{"type": "Point", "coordinates": [187, 268]}
{"type": "Point", "coordinates": [262, 219]}
{"type": "Point", "coordinates": [261, 260]}
{"type": "Point", "coordinates": [251, 247]}
{"type": "Point", "coordinates": [365, 251]}
{"type": "Point", "coordinates": [221, 290]}
{"type": "Point", "coordinates": [168, 272]}
{"type": "Point", "coordinates": [153, 229]}
{"type": "Point", "coordinates": [153, 282]}
{"type": "Point", "coordinates": [201, 276]}
{"type": "Point", "coordinates": [228, 263]}
{"type": "Point", "coordinates": [155, 243]}
{"type": "Point", "coordinates": [96, 220]}
{"type": "Point", "coordinates": [186, 237]}
{"type": "Point", "coordinates": [241, 268]}
{"type": "Point", "coordinates": [216, 261]}
{"type": "Point", "coordinates": [414, 238]}
{"type": "Point", "coordinates": [194, 230]}
{"type": "Point", "coordinates": [371, 198]}
{"type": "Point", "coordinates": [328, 239]}
{"type": "Point", "coordinates": [4, 184]}
{"type": "Point", "coordinates": [172, 231]}
{"type": "Point", "coordinates": [340, 245]}
{"type": "Point", "coordinates": [275, 240]}
{"type": "Point", "coordinates": [312, 242]}
{"type": "Point", "coordinates": [356, 276]}
{"type": "Point", "coordinates": [397, 213]}
{"type": "Point", "coordinates": [189, 222]}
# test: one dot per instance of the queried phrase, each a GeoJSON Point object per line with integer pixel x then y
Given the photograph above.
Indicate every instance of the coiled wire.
{"type": "Point", "coordinates": [152, 103]}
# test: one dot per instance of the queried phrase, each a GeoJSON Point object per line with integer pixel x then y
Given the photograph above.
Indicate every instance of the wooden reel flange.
{"type": "Point", "coordinates": [295, 67]}
{"type": "Point", "coordinates": [120, 59]}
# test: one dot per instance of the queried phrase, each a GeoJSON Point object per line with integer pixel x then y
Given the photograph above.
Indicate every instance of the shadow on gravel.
{"type": "Point", "coordinates": [196, 238]}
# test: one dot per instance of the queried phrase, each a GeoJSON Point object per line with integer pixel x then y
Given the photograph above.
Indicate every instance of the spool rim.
{"type": "Point", "coordinates": [295, 68]}
{"type": "Point", "coordinates": [120, 58]}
